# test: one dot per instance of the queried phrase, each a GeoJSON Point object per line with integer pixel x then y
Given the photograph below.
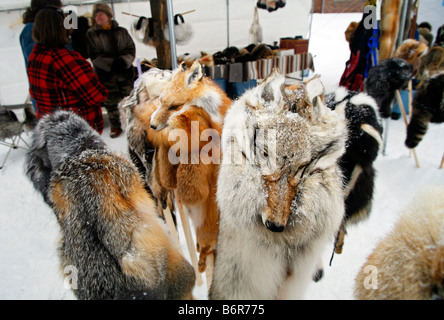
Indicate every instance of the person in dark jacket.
{"type": "Point", "coordinates": [112, 52]}
{"type": "Point", "coordinates": [61, 79]}
{"type": "Point", "coordinates": [26, 41]}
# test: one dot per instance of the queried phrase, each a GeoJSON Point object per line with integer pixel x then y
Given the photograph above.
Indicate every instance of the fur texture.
{"type": "Point", "coordinates": [408, 264]}
{"type": "Point", "coordinates": [411, 51]}
{"type": "Point", "coordinates": [428, 106]}
{"type": "Point", "coordinates": [281, 199]}
{"type": "Point", "coordinates": [389, 26]}
{"type": "Point", "coordinates": [110, 230]}
{"type": "Point", "coordinates": [362, 147]}
{"type": "Point", "coordinates": [384, 79]}
{"type": "Point", "coordinates": [190, 106]}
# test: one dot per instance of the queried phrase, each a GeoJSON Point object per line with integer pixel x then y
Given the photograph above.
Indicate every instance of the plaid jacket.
{"type": "Point", "coordinates": [63, 79]}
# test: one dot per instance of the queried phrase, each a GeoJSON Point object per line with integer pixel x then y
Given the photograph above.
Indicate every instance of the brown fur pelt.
{"type": "Point", "coordinates": [431, 63]}
{"type": "Point", "coordinates": [389, 26]}
{"type": "Point", "coordinates": [411, 51]}
{"type": "Point", "coordinates": [408, 264]}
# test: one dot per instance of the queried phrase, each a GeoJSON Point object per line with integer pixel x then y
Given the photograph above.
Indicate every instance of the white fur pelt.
{"type": "Point", "coordinates": [280, 199]}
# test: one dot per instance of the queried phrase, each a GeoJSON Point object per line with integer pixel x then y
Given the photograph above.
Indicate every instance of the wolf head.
{"type": "Point", "coordinates": [278, 144]}
{"type": "Point", "coordinates": [188, 92]}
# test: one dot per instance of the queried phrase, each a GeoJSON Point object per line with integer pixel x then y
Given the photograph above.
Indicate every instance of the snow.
{"type": "Point", "coordinates": [29, 266]}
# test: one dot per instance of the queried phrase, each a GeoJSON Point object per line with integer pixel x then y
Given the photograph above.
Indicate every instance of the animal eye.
{"type": "Point", "coordinates": [174, 107]}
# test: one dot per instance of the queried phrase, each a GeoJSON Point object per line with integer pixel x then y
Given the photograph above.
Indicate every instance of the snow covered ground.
{"type": "Point", "coordinates": [29, 266]}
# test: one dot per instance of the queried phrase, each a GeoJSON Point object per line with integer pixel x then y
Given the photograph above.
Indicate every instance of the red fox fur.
{"type": "Point", "coordinates": [389, 26]}
{"type": "Point", "coordinates": [190, 97]}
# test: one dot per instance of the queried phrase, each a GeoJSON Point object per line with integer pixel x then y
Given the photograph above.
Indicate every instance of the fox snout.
{"type": "Point", "coordinates": [273, 227]}
{"type": "Point", "coordinates": [280, 194]}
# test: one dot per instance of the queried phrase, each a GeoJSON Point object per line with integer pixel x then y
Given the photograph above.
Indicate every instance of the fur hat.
{"type": "Point", "coordinates": [102, 7]}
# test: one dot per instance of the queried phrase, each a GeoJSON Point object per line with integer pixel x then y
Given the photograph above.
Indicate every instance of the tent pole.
{"type": "Point", "coordinates": [228, 23]}
{"type": "Point", "coordinates": [172, 34]}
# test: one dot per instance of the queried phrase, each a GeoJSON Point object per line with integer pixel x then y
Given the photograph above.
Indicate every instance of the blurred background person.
{"type": "Point", "coordinates": [61, 79]}
{"type": "Point", "coordinates": [112, 52]}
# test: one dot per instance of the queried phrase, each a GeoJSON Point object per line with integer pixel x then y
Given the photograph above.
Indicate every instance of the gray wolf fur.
{"type": "Point", "coordinates": [408, 263]}
{"type": "Point", "coordinates": [279, 206]}
{"type": "Point", "coordinates": [110, 230]}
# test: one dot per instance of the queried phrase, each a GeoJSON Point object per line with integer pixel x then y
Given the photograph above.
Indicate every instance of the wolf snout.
{"type": "Point", "coordinates": [273, 227]}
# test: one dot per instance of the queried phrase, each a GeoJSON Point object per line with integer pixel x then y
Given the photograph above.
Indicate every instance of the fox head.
{"type": "Point", "coordinates": [188, 93]}
{"type": "Point", "coordinates": [287, 141]}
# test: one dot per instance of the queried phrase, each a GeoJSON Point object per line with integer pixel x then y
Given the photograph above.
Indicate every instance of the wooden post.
{"type": "Point", "coordinates": [160, 18]}
{"type": "Point", "coordinates": [401, 107]}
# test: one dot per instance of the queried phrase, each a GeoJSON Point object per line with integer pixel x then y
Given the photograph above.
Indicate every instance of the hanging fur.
{"type": "Point", "coordinates": [362, 148]}
{"type": "Point", "coordinates": [271, 5]}
{"type": "Point", "coordinates": [143, 31]}
{"type": "Point", "coordinates": [428, 106]}
{"type": "Point", "coordinates": [255, 29]}
{"type": "Point", "coordinates": [279, 190]}
{"type": "Point", "coordinates": [182, 31]}
{"type": "Point", "coordinates": [384, 79]}
{"type": "Point", "coordinates": [110, 230]}
{"type": "Point", "coordinates": [431, 63]}
{"type": "Point", "coordinates": [389, 26]}
{"type": "Point", "coordinates": [408, 264]}
{"type": "Point", "coordinates": [411, 51]}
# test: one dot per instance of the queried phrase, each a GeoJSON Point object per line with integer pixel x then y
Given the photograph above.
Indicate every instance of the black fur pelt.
{"type": "Point", "coordinates": [362, 146]}
{"type": "Point", "coordinates": [384, 79]}
{"type": "Point", "coordinates": [428, 106]}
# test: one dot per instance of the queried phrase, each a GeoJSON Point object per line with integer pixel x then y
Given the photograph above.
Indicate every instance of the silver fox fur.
{"type": "Point", "coordinates": [110, 230]}
{"type": "Point", "coordinates": [280, 202]}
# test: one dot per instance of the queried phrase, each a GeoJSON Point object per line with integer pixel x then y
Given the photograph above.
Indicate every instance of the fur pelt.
{"type": "Point", "coordinates": [362, 147]}
{"type": "Point", "coordinates": [408, 264]}
{"type": "Point", "coordinates": [428, 106]}
{"type": "Point", "coordinates": [280, 195]}
{"type": "Point", "coordinates": [389, 26]}
{"type": "Point", "coordinates": [384, 79]}
{"type": "Point", "coordinates": [411, 51]}
{"type": "Point", "coordinates": [111, 235]}
{"type": "Point", "coordinates": [431, 63]}
{"type": "Point", "coordinates": [191, 106]}
{"type": "Point", "coordinates": [271, 5]}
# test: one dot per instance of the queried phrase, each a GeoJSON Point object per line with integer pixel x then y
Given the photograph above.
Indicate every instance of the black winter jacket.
{"type": "Point", "coordinates": [112, 53]}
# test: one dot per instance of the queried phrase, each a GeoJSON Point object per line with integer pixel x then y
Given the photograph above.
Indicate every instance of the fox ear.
{"type": "Point", "coordinates": [195, 74]}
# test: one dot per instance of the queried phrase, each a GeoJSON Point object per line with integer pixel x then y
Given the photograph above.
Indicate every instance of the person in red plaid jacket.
{"type": "Point", "coordinates": [61, 79]}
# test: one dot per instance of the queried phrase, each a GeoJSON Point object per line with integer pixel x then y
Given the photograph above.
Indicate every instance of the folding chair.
{"type": "Point", "coordinates": [11, 130]}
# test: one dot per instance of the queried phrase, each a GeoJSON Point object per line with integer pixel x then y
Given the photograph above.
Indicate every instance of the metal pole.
{"type": "Point", "coordinates": [228, 23]}
{"type": "Point", "coordinates": [172, 34]}
{"type": "Point", "coordinates": [402, 23]}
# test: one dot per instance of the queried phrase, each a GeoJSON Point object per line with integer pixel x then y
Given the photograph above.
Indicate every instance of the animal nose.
{"type": "Point", "coordinates": [153, 127]}
{"type": "Point", "coordinates": [273, 227]}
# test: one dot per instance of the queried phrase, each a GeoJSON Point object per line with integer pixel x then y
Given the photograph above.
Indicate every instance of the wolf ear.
{"type": "Point", "coordinates": [271, 88]}
{"type": "Point", "coordinates": [195, 74]}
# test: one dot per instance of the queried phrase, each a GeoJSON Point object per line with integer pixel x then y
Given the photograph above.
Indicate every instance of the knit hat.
{"type": "Point", "coordinates": [102, 7]}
